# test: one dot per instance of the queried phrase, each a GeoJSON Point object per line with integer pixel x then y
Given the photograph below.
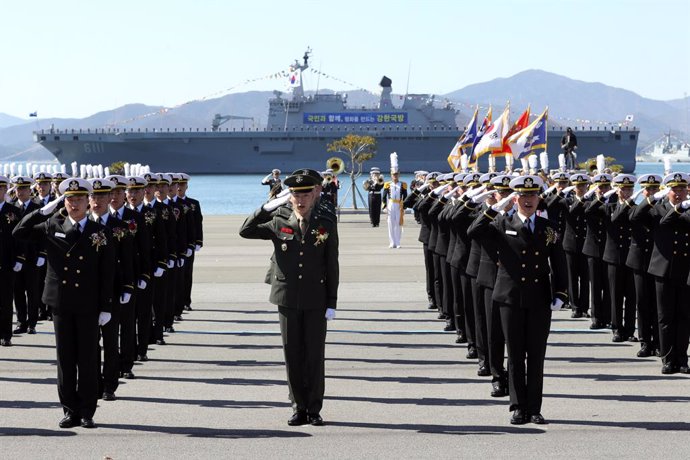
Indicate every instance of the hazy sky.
{"type": "Point", "coordinates": [72, 58]}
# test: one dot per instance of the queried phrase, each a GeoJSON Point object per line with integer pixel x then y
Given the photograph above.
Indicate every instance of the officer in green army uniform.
{"type": "Point", "coordinates": [304, 284]}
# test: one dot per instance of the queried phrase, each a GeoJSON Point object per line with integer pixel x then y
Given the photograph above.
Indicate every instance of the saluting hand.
{"type": "Point", "coordinates": [504, 202]}
{"type": "Point", "coordinates": [50, 207]}
{"type": "Point", "coordinates": [278, 201]}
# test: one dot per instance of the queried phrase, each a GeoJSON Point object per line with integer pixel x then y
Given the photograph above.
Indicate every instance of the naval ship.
{"type": "Point", "coordinates": [297, 134]}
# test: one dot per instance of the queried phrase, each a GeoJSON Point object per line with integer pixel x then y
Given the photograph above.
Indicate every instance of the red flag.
{"type": "Point", "coordinates": [519, 125]}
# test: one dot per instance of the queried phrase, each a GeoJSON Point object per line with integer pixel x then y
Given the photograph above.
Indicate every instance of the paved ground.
{"type": "Point", "coordinates": [396, 386]}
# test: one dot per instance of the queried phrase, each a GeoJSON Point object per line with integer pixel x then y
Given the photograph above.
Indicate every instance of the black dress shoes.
{"type": "Point", "coordinates": [178, 318]}
{"type": "Point", "coordinates": [498, 389]}
{"type": "Point", "coordinates": [69, 421]}
{"type": "Point", "coordinates": [142, 358]}
{"type": "Point", "coordinates": [537, 419]}
{"type": "Point", "coordinates": [129, 375]}
{"type": "Point", "coordinates": [461, 338]}
{"type": "Point", "coordinates": [188, 308]}
{"type": "Point", "coordinates": [684, 369]}
{"type": "Point", "coordinates": [518, 418]}
{"type": "Point", "coordinates": [645, 351]}
{"type": "Point", "coordinates": [315, 419]}
{"type": "Point", "coordinates": [617, 338]}
{"type": "Point", "coordinates": [169, 329]}
{"type": "Point", "coordinates": [471, 352]}
{"type": "Point", "coordinates": [160, 342]}
{"type": "Point", "coordinates": [87, 423]}
{"type": "Point", "coordinates": [108, 396]}
{"type": "Point", "coordinates": [31, 330]}
{"type": "Point", "coordinates": [449, 326]}
{"type": "Point", "coordinates": [483, 371]}
{"type": "Point", "coordinates": [299, 418]}
{"type": "Point", "coordinates": [597, 325]}
{"type": "Point", "coordinates": [21, 329]}
{"type": "Point", "coordinates": [668, 368]}
{"type": "Point", "coordinates": [5, 343]}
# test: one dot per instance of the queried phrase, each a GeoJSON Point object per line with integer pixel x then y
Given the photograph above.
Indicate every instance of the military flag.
{"type": "Point", "coordinates": [519, 125]}
{"type": "Point", "coordinates": [481, 129]}
{"type": "Point", "coordinates": [492, 140]}
{"type": "Point", "coordinates": [531, 140]}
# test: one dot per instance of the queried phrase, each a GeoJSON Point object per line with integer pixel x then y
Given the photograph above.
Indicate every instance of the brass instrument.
{"type": "Point", "coordinates": [336, 164]}
{"type": "Point", "coordinates": [381, 180]}
{"type": "Point", "coordinates": [367, 184]}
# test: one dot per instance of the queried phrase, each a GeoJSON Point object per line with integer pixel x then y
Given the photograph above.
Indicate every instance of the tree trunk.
{"type": "Point", "coordinates": [354, 190]}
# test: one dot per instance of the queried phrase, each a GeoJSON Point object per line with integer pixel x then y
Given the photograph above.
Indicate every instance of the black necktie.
{"type": "Point", "coordinates": [528, 227]}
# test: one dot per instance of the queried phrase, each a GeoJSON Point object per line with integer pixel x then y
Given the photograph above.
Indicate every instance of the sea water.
{"type": "Point", "coordinates": [242, 194]}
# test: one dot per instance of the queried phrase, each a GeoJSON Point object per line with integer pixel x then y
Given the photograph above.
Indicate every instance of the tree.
{"type": "Point", "coordinates": [590, 164]}
{"type": "Point", "coordinates": [359, 149]}
{"type": "Point", "coordinates": [117, 168]}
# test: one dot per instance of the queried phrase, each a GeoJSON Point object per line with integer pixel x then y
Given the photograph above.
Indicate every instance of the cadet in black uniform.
{"type": "Point", "coordinates": [530, 282]}
{"type": "Point", "coordinates": [620, 277]}
{"type": "Point", "coordinates": [373, 186]}
{"type": "Point", "coordinates": [198, 220]}
{"type": "Point", "coordinates": [639, 255]}
{"type": "Point", "coordinates": [573, 241]}
{"type": "Point", "coordinates": [44, 196]}
{"type": "Point", "coordinates": [79, 289]}
{"type": "Point", "coordinates": [26, 296]}
{"type": "Point", "coordinates": [11, 261]}
{"type": "Point", "coordinates": [304, 286]}
{"type": "Point", "coordinates": [670, 265]}
{"type": "Point", "coordinates": [275, 184]}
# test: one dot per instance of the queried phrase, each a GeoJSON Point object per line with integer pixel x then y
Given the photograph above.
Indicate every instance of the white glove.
{"type": "Point", "coordinates": [267, 178]}
{"type": "Point", "coordinates": [330, 314]}
{"type": "Point", "coordinates": [423, 188]}
{"type": "Point", "coordinates": [50, 207]}
{"type": "Point", "coordinates": [685, 204]}
{"type": "Point", "coordinates": [189, 253]}
{"type": "Point", "coordinates": [475, 191]}
{"type": "Point", "coordinates": [482, 197]}
{"type": "Point", "coordinates": [568, 189]}
{"type": "Point", "coordinates": [503, 203]}
{"type": "Point", "coordinates": [103, 318]}
{"type": "Point", "coordinates": [180, 262]}
{"type": "Point", "coordinates": [124, 298]}
{"type": "Point", "coordinates": [277, 202]}
{"type": "Point", "coordinates": [556, 304]}
{"type": "Point", "coordinates": [159, 272]}
{"type": "Point", "coordinates": [197, 248]}
{"type": "Point", "coordinates": [590, 193]}
{"type": "Point", "coordinates": [171, 263]}
{"type": "Point", "coordinates": [550, 189]}
{"type": "Point", "coordinates": [40, 261]}
{"type": "Point", "coordinates": [610, 192]}
{"type": "Point", "coordinates": [636, 194]}
{"type": "Point", "coordinates": [437, 191]}
{"type": "Point", "coordinates": [142, 284]}
{"type": "Point", "coordinates": [659, 195]}
{"type": "Point", "coordinates": [17, 267]}
{"type": "Point", "coordinates": [450, 194]}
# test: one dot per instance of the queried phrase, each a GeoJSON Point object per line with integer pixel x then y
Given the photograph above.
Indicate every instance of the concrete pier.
{"type": "Point", "coordinates": [396, 387]}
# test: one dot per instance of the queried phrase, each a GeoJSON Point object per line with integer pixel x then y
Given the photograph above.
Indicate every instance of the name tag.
{"type": "Point", "coordinates": [60, 235]}
{"type": "Point", "coordinates": [511, 232]}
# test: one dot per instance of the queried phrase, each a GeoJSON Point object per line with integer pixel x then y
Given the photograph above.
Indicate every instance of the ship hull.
{"type": "Point", "coordinates": [242, 152]}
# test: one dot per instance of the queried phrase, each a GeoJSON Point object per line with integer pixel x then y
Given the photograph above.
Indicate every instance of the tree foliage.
{"type": "Point", "coordinates": [117, 168]}
{"type": "Point", "coordinates": [590, 164]}
{"type": "Point", "coordinates": [357, 149]}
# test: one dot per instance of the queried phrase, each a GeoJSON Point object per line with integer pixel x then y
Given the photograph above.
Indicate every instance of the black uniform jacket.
{"type": "Point", "coordinates": [305, 269]}
{"type": "Point", "coordinates": [80, 271]}
{"type": "Point", "coordinates": [618, 233]}
{"type": "Point", "coordinates": [528, 264]}
{"type": "Point", "coordinates": [10, 251]}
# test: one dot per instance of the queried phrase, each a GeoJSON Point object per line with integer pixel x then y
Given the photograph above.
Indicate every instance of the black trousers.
{"type": "Point", "coordinates": [160, 300]}
{"type": "Point", "coordinates": [622, 291]}
{"type": "Point", "coordinates": [429, 267]}
{"type": "Point", "coordinates": [480, 332]}
{"type": "Point", "coordinates": [645, 297]}
{"type": "Point", "coordinates": [458, 307]}
{"type": "Point", "coordinates": [447, 302]}
{"type": "Point", "coordinates": [673, 308]}
{"type": "Point", "coordinates": [526, 331]}
{"type": "Point", "coordinates": [110, 373]}
{"type": "Point", "coordinates": [6, 283]}
{"type": "Point", "coordinates": [128, 315]}
{"type": "Point", "coordinates": [144, 314]}
{"type": "Point", "coordinates": [76, 343]}
{"type": "Point", "coordinates": [180, 289]}
{"type": "Point", "coordinates": [26, 298]}
{"type": "Point", "coordinates": [188, 281]}
{"type": "Point", "coordinates": [172, 288]}
{"type": "Point", "coordinates": [43, 309]}
{"type": "Point", "coordinates": [578, 281]}
{"type": "Point", "coordinates": [375, 208]}
{"type": "Point", "coordinates": [495, 343]}
{"type": "Point", "coordinates": [438, 281]}
{"type": "Point", "coordinates": [468, 307]}
{"type": "Point", "coordinates": [599, 291]}
{"type": "Point", "coordinates": [304, 342]}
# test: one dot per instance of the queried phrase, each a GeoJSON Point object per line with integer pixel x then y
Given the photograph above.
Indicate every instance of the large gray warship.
{"type": "Point", "coordinates": [422, 131]}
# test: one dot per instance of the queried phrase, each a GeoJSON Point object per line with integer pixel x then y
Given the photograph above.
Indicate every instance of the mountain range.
{"type": "Point", "coordinates": [568, 100]}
